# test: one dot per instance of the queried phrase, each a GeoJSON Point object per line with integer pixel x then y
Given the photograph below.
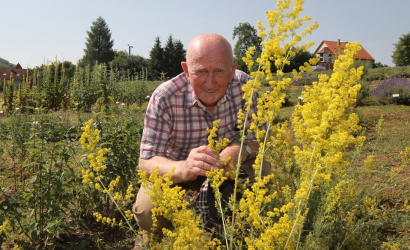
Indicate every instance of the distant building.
{"type": "Point", "coordinates": [17, 72]}
{"type": "Point", "coordinates": [328, 51]}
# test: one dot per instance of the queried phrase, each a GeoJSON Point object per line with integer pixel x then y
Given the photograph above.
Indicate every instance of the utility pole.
{"type": "Point", "coordinates": [129, 50]}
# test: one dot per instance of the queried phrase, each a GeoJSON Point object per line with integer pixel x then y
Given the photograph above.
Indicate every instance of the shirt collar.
{"type": "Point", "coordinates": [191, 100]}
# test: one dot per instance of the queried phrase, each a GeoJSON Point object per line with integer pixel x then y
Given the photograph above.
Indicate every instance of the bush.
{"type": "Point", "coordinates": [385, 90]}
{"type": "Point", "coordinates": [376, 75]}
{"type": "Point", "coordinates": [363, 94]}
{"type": "Point", "coordinates": [306, 80]}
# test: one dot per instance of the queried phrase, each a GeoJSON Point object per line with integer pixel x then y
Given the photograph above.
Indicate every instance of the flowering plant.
{"type": "Point", "coordinates": [384, 91]}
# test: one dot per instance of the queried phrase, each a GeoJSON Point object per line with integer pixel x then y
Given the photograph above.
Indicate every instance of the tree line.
{"type": "Point", "coordinates": [164, 61]}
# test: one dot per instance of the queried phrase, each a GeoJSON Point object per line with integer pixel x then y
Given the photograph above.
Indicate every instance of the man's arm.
{"type": "Point", "coordinates": [200, 160]}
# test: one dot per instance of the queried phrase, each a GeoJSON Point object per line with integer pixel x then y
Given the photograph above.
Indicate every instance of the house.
{"type": "Point", "coordinates": [17, 72]}
{"type": "Point", "coordinates": [328, 51]}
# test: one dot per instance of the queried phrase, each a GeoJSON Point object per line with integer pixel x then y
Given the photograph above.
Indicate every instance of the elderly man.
{"type": "Point", "coordinates": [178, 114]}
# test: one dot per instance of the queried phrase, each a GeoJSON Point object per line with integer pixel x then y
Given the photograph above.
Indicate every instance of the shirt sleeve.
{"type": "Point", "coordinates": [157, 127]}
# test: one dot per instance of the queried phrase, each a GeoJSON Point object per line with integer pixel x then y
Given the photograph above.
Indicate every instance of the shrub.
{"type": "Point", "coordinates": [306, 80]}
{"type": "Point", "coordinates": [385, 90]}
{"type": "Point", "coordinates": [363, 94]}
{"type": "Point", "coordinates": [376, 75]}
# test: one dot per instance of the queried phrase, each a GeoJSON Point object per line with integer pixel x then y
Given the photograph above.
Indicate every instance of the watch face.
{"type": "Point", "coordinates": [248, 149]}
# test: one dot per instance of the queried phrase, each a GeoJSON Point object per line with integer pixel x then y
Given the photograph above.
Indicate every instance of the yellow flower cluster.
{"type": "Point", "coordinates": [280, 43]}
{"type": "Point", "coordinates": [219, 144]}
{"type": "Point", "coordinates": [380, 128]}
{"type": "Point", "coordinates": [89, 138]}
{"type": "Point", "coordinates": [88, 177]}
{"type": "Point", "coordinates": [130, 195]}
{"type": "Point", "coordinates": [96, 162]}
{"type": "Point", "coordinates": [128, 214]}
{"type": "Point", "coordinates": [254, 201]}
{"type": "Point", "coordinates": [5, 227]}
{"type": "Point", "coordinates": [168, 202]}
{"type": "Point", "coordinates": [369, 165]}
{"type": "Point", "coordinates": [112, 185]}
{"type": "Point", "coordinates": [405, 156]}
{"type": "Point", "coordinates": [325, 124]}
{"type": "Point", "coordinates": [106, 220]}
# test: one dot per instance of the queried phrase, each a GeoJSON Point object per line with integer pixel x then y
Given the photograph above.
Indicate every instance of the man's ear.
{"type": "Point", "coordinates": [234, 66]}
{"type": "Point", "coordinates": [184, 66]}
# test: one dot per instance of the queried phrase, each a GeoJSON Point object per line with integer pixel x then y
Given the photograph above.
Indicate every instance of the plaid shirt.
{"type": "Point", "coordinates": [176, 122]}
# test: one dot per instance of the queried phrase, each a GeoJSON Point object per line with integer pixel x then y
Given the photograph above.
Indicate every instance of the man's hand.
{"type": "Point", "coordinates": [200, 160]}
{"type": "Point", "coordinates": [231, 152]}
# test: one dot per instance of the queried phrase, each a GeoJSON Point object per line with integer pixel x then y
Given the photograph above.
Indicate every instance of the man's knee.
{"type": "Point", "coordinates": [142, 210]}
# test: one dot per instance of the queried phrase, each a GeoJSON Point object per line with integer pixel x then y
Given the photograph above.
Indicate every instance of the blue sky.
{"type": "Point", "coordinates": [37, 31]}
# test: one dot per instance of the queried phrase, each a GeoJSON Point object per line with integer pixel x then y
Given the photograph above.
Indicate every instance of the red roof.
{"type": "Point", "coordinates": [17, 71]}
{"type": "Point", "coordinates": [337, 47]}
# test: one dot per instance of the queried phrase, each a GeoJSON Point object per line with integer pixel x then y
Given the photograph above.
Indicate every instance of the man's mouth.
{"type": "Point", "coordinates": [210, 91]}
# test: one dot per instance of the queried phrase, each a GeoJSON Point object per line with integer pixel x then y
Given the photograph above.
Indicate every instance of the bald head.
{"type": "Point", "coordinates": [205, 44]}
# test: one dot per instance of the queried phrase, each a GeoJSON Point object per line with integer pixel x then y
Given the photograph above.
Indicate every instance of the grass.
{"type": "Point", "coordinates": [391, 181]}
{"type": "Point", "coordinates": [396, 128]}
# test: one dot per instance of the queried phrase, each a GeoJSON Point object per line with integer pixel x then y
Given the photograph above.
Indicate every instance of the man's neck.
{"type": "Point", "coordinates": [209, 109]}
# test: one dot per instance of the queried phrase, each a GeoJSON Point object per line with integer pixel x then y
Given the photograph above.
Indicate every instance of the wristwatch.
{"type": "Point", "coordinates": [248, 150]}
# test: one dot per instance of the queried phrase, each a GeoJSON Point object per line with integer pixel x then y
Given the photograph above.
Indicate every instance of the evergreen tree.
{"type": "Point", "coordinates": [174, 54]}
{"type": "Point", "coordinates": [179, 56]}
{"type": "Point", "coordinates": [99, 45]}
{"type": "Point", "coordinates": [156, 63]}
{"type": "Point", "coordinates": [168, 57]}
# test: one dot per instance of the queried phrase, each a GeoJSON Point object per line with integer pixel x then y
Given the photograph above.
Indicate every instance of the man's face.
{"type": "Point", "coordinates": [209, 74]}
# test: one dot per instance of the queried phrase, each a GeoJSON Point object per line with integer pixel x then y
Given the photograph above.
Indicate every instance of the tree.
{"type": "Point", "coordinates": [99, 44]}
{"type": "Point", "coordinates": [379, 65]}
{"type": "Point", "coordinates": [401, 55]}
{"type": "Point", "coordinates": [247, 37]}
{"type": "Point", "coordinates": [155, 63]}
{"type": "Point", "coordinates": [174, 54]}
{"type": "Point", "coordinates": [296, 61]}
{"type": "Point", "coordinates": [5, 64]}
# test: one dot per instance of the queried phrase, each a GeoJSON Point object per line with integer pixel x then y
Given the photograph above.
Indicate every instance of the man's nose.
{"type": "Point", "coordinates": [210, 81]}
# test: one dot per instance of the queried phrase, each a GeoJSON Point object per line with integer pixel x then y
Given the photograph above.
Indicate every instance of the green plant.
{"type": "Point", "coordinates": [38, 206]}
